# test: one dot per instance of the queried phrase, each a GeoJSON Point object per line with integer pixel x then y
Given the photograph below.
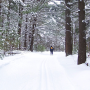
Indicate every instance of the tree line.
{"type": "Point", "coordinates": [36, 24]}
{"type": "Point", "coordinates": [82, 22]}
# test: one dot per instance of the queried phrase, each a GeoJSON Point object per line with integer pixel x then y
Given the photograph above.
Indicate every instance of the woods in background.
{"type": "Point", "coordinates": [37, 24]}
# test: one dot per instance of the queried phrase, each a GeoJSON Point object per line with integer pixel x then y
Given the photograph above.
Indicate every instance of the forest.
{"type": "Point", "coordinates": [35, 25]}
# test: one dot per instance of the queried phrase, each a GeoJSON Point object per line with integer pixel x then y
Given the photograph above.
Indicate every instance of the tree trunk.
{"type": "Point", "coordinates": [25, 37]}
{"type": "Point", "coordinates": [0, 13]}
{"type": "Point", "coordinates": [34, 19]}
{"type": "Point", "coordinates": [82, 35]}
{"type": "Point", "coordinates": [68, 37]}
{"type": "Point", "coordinates": [32, 37]}
{"type": "Point", "coordinates": [7, 45]}
{"type": "Point", "coordinates": [20, 24]}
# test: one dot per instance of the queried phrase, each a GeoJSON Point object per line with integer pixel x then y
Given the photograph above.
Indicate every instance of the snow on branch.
{"type": "Point", "coordinates": [20, 1]}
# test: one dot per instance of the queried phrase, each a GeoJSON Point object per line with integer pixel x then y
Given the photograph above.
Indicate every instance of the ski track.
{"type": "Point", "coordinates": [40, 73]}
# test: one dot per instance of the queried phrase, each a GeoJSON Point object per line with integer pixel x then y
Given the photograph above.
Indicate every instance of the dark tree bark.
{"type": "Point", "coordinates": [32, 37]}
{"type": "Point", "coordinates": [0, 14]}
{"type": "Point", "coordinates": [82, 35]}
{"type": "Point", "coordinates": [25, 37]}
{"type": "Point", "coordinates": [32, 34]}
{"type": "Point", "coordinates": [20, 22]}
{"type": "Point", "coordinates": [8, 16]}
{"type": "Point", "coordinates": [68, 37]}
{"type": "Point", "coordinates": [20, 18]}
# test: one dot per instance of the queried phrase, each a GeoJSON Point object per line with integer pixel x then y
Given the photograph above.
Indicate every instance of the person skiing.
{"type": "Point", "coordinates": [51, 50]}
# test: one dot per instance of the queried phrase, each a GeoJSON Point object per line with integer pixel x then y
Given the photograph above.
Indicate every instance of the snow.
{"type": "Point", "coordinates": [42, 71]}
{"type": "Point", "coordinates": [54, 2]}
{"type": "Point", "coordinates": [20, 2]}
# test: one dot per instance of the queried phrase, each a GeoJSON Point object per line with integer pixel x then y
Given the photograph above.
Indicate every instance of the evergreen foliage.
{"type": "Point", "coordinates": [40, 48]}
{"type": "Point", "coordinates": [39, 25]}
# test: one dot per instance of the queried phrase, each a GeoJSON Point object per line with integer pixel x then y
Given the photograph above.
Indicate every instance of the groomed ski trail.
{"type": "Point", "coordinates": [34, 71]}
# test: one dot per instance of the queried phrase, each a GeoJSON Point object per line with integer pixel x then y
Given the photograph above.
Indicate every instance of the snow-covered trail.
{"type": "Point", "coordinates": [34, 71]}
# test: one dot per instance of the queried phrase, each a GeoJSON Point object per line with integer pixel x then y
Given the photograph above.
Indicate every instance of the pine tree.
{"type": "Point", "coordinates": [82, 33]}
{"type": "Point", "coordinates": [68, 38]}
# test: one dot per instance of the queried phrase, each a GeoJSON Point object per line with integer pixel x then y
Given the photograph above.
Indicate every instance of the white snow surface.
{"type": "Point", "coordinates": [42, 71]}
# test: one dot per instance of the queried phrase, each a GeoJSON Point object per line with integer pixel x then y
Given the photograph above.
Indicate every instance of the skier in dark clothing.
{"type": "Point", "coordinates": [51, 50]}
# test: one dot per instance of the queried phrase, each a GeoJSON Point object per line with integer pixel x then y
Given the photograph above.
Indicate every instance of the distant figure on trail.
{"type": "Point", "coordinates": [51, 50]}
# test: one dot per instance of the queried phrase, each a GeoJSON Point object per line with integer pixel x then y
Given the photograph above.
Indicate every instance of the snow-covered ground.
{"type": "Point", "coordinates": [42, 71]}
